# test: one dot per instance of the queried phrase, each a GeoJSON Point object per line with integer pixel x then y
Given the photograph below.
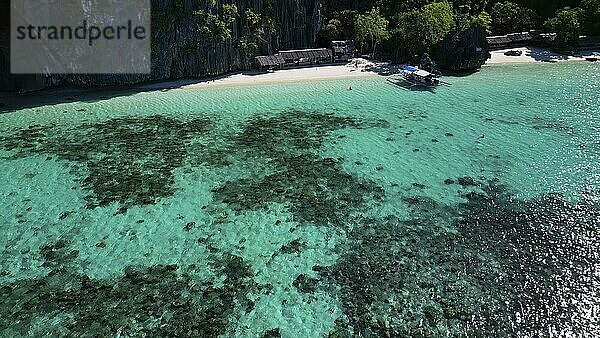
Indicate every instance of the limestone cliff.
{"type": "Point", "coordinates": [462, 50]}
{"type": "Point", "coordinates": [180, 50]}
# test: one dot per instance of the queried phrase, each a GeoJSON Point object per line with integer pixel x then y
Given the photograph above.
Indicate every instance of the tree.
{"type": "Point", "coordinates": [333, 30]}
{"type": "Point", "coordinates": [508, 17]}
{"type": "Point", "coordinates": [478, 6]}
{"type": "Point", "coordinates": [419, 29]}
{"type": "Point", "coordinates": [590, 20]}
{"type": "Point", "coordinates": [438, 19]}
{"type": "Point", "coordinates": [462, 21]}
{"type": "Point", "coordinates": [566, 25]}
{"type": "Point", "coordinates": [396, 6]}
{"type": "Point", "coordinates": [482, 19]}
{"type": "Point", "coordinates": [228, 17]}
{"type": "Point", "coordinates": [230, 13]}
{"type": "Point", "coordinates": [475, 6]}
{"type": "Point", "coordinates": [347, 19]}
{"type": "Point", "coordinates": [249, 41]}
{"type": "Point", "coordinates": [340, 26]}
{"type": "Point", "coordinates": [218, 26]}
{"type": "Point", "coordinates": [256, 32]}
{"type": "Point", "coordinates": [371, 27]}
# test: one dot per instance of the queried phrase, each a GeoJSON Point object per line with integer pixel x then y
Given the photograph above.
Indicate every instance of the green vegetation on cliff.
{"type": "Point", "coordinates": [194, 38]}
{"type": "Point", "coordinates": [416, 26]}
{"type": "Point", "coordinates": [371, 28]}
{"type": "Point", "coordinates": [418, 29]}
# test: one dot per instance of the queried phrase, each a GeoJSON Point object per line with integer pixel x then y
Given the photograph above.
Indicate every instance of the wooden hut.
{"type": "Point", "coordinates": [500, 41]}
{"type": "Point", "coordinates": [306, 56]}
{"type": "Point", "coordinates": [298, 57]}
{"type": "Point", "coordinates": [509, 40]}
{"type": "Point", "coordinates": [270, 61]}
{"type": "Point", "coordinates": [519, 38]}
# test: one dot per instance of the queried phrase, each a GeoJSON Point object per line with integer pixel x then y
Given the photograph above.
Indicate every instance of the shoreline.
{"type": "Point", "coordinates": [533, 55]}
{"type": "Point", "coordinates": [290, 75]}
{"type": "Point", "coordinates": [364, 68]}
{"type": "Point", "coordinates": [361, 69]}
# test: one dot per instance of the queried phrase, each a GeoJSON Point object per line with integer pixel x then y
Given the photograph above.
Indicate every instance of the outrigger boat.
{"type": "Point", "coordinates": [420, 77]}
{"type": "Point", "coordinates": [416, 77]}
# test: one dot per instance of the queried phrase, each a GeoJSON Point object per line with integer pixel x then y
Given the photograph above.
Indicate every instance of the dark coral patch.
{"type": "Point", "coordinates": [466, 181]}
{"type": "Point", "coordinates": [294, 133]}
{"type": "Point", "coordinates": [274, 333]}
{"type": "Point", "coordinates": [317, 190]}
{"type": "Point", "coordinates": [128, 160]}
{"type": "Point", "coordinates": [305, 284]}
{"type": "Point", "coordinates": [502, 267]}
{"type": "Point", "coordinates": [317, 193]}
{"type": "Point", "coordinates": [157, 301]}
{"type": "Point", "coordinates": [294, 246]}
{"type": "Point", "coordinates": [547, 248]}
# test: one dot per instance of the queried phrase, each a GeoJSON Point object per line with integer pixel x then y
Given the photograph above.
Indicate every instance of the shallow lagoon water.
{"type": "Point", "coordinates": [307, 210]}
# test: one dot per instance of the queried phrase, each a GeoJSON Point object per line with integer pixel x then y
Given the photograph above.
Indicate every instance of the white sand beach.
{"type": "Point", "coordinates": [326, 72]}
{"type": "Point", "coordinates": [360, 69]}
{"type": "Point", "coordinates": [533, 54]}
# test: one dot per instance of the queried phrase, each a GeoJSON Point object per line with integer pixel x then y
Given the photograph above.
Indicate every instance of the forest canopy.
{"type": "Point", "coordinates": [419, 24]}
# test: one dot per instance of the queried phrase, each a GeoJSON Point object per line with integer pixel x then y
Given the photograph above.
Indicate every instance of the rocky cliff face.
{"type": "Point", "coordinates": [180, 50]}
{"type": "Point", "coordinates": [463, 50]}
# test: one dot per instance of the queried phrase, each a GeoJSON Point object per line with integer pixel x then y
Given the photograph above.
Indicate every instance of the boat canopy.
{"type": "Point", "coordinates": [422, 73]}
{"type": "Point", "coordinates": [416, 71]}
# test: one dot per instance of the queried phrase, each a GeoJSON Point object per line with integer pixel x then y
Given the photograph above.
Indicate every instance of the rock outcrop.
{"type": "Point", "coordinates": [179, 49]}
{"type": "Point", "coordinates": [463, 50]}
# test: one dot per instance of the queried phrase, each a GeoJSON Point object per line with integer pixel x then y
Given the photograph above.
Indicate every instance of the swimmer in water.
{"type": "Point", "coordinates": [350, 88]}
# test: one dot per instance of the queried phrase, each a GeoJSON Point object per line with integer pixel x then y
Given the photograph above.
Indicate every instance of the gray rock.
{"type": "Point", "coordinates": [463, 50]}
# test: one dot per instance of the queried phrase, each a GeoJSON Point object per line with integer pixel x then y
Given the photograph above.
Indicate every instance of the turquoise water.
{"type": "Point", "coordinates": [307, 210]}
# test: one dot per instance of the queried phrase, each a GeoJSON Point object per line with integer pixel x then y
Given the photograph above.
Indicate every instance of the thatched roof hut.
{"type": "Point", "coordinates": [306, 56]}
{"type": "Point", "coordinates": [270, 61]}
{"type": "Point", "coordinates": [513, 39]}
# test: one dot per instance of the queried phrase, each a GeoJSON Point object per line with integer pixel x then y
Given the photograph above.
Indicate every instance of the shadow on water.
{"type": "Point", "coordinates": [11, 102]}
{"type": "Point", "coordinates": [407, 86]}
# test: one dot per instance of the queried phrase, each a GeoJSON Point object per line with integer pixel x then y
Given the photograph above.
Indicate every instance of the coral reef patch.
{"type": "Point", "coordinates": [317, 189]}
{"type": "Point", "coordinates": [124, 160]}
{"type": "Point", "coordinates": [493, 266]}
{"type": "Point", "coordinates": [157, 301]}
{"type": "Point", "coordinates": [131, 162]}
